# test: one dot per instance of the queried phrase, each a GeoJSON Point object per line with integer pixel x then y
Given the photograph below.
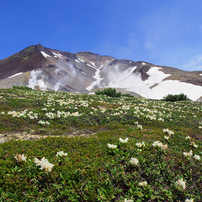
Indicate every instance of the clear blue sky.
{"type": "Point", "coordinates": [158, 31]}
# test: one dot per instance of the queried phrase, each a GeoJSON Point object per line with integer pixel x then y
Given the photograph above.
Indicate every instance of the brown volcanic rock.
{"type": "Point", "coordinates": [183, 76]}
{"type": "Point", "coordinates": [26, 60]}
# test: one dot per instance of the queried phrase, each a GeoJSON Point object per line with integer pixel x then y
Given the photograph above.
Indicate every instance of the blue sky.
{"type": "Point", "coordinates": [160, 32]}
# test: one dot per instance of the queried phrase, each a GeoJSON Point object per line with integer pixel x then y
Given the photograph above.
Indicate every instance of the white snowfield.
{"type": "Point", "coordinates": [155, 87]}
{"type": "Point", "coordinates": [45, 54]}
{"type": "Point", "coordinates": [161, 87]}
{"type": "Point", "coordinates": [155, 76]}
{"type": "Point", "coordinates": [175, 87]}
{"type": "Point", "coordinates": [97, 81]}
{"type": "Point", "coordinates": [15, 75]}
{"type": "Point", "coordinates": [57, 55]}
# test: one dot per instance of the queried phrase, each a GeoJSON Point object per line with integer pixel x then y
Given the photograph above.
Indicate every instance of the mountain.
{"type": "Point", "coordinates": [43, 68]}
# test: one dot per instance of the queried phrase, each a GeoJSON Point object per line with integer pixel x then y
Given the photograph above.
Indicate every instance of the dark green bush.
{"type": "Point", "coordinates": [109, 92]}
{"type": "Point", "coordinates": [22, 87]}
{"type": "Point", "coordinates": [174, 98]}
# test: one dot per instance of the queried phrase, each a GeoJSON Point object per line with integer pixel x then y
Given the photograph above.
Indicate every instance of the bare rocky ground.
{"type": "Point", "coordinates": [26, 136]}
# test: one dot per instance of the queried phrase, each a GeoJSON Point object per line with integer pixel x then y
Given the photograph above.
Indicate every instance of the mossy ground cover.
{"type": "Point", "coordinates": [160, 160]}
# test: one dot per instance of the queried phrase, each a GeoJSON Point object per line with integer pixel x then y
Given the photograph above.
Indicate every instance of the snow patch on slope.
{"type": "Point", "coordinates": [155, 76]}
{"type": "Point", "coordinates": [57, 55]}
{"type": "Point", "coordinates": [175, 87]}
{"type": "Point", "coordinates": [81, 60]}
{"type": "Point", "coordinates": [15, 75]}
{"type": "Point", "coordinates": [127, 79]}
{"type": "Point", "coordinates": [133, 82]}
{"type": "Point", "coordinates": [45, 54]}
{"type": "Point", "coordinates": [77, 60]}
{"type": "Point", "coordinates": [97, 81]}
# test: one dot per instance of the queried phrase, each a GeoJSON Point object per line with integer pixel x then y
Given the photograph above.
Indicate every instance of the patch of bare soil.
{"type": "Point", "coordinates": [25, 136]}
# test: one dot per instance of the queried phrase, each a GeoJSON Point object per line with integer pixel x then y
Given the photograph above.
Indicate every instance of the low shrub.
{"type": "Point", "coordinates": [174, 98]}
{"type": "Point", "coordinates": [109, 92]}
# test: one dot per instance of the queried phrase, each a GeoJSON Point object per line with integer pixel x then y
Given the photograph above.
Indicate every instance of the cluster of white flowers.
{"type": "Point", "coordinates": [197, 157]}
{"type": "Point", "coordinates": [200, 125]}
{"type": "Point", "coordinates": [126, 107]}
{"type": "Point", "coordinates": [143, 184]}
{"type": "Point", "coordinates": [159, 144]}
{"type": "Point", "coordinates": [50, 115]}
{"type": "Point", "coordinates": [123, 141]}
{"type": "Point", "coordinates": [139, 144]}
{"type": "Point", "coordinates": [134, 161]}
{"type": "Point", "coordinates": [24, 114]}
{"type": "Point", "coordinates": [20, 157]}
{"type": "Point", "coordinates": [112, 146]}
{"type": "Point", "coordinates": [128, 200]}
{"type": "Point", "coordinates": [194, 144]}
{"type": "Point", "coordinates": [44, 163]}
{"type": "Point", "coordinates": [43, 122]}
{"type": "Point", "coordinates": [152, 114]}
{"type": "Point", "coordinates": [189, 200]}
{"type": "Point", "coordinates": [166, 137]}
{"type": "Point", "coordinates": [188, 154]}
{"type": "Point", "coordinates": [61, 153]}
{"type": "Point", "coordinates": [167, 131]}
{"type": "Point", "coordinates": [180, 183]}
{"type": "Point", "coordinates": [139, 127]}
{"type": "Point", "coordinates": [187, 138]}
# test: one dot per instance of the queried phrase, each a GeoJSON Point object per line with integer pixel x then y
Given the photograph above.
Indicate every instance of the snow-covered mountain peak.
{"type": "Point", "coordinates": [49, 69]}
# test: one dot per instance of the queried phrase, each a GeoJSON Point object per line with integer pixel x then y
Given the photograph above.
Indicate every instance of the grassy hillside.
{"type": "Point", "coordinates": [98, 148]}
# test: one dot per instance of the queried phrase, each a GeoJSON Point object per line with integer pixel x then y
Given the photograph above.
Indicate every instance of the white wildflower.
{"type": "Point", "coordinates": [180, 183]}
{"type": "Point", "coordinates": [112, 146]}
{"type": "Point", "coordinates": [194, 144]}
{"type": "Point", "coordinates": [61, 153]}
{"type": "Point", "coordinates": [166, 137]}
{"type": "Point", "coordinates": [159, 144]}
{"type": "Point", "coordinates": [189, 200]}
{"type": "Point", "coordinates": [187, 138]}
{"type": "Point", "coordinates": [188, 154]}
{"type": "Point", "coordinates": [197, 157]}
{"type": "Point", "coordinates": [2, 140]}
{"type": "Point", "coordinates": [20, 157]}
{"type": "Point", "coordinates": [44, 163]}
{"type": "Point", "coordinates": [37, 161]}
{"type": "Point", "coordinates": [139, 127]}
{"type": "Point", "coordinates": [143, 184]}
{"type": "Point", "coordinates": [139, 144]}
{"type": "Point", "coordinates": [167, 131]}
{"type": "Point", "coordinates": [134, 161]}
{"type": "Point", "coordinates": [123, 141]}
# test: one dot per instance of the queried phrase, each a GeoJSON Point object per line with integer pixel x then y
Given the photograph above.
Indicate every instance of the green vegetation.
{"type": "Point", "coordinates": [109, 92]}
{"type": "Point", "coordinates": [99, 148]}
{"type": "Point", "coordinates": [174, 98]}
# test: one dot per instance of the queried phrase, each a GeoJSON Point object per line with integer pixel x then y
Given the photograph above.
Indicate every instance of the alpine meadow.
{"type": "Point", "coordinates": [60, 146]}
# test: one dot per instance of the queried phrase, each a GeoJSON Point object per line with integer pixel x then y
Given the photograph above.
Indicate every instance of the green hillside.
{"type": "Point", "coordinates": [98, 148]}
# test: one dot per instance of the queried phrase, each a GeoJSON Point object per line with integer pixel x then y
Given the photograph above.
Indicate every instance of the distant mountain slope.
{"type": "Point", "coordinates": [48, 69]}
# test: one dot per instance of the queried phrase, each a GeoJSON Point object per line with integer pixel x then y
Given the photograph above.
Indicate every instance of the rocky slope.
{"type": "Point", "coordinates": [48, 69]}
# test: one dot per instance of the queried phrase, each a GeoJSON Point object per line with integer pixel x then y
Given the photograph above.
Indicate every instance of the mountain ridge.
{"type": "Point", "coordinates": [49, 69]}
